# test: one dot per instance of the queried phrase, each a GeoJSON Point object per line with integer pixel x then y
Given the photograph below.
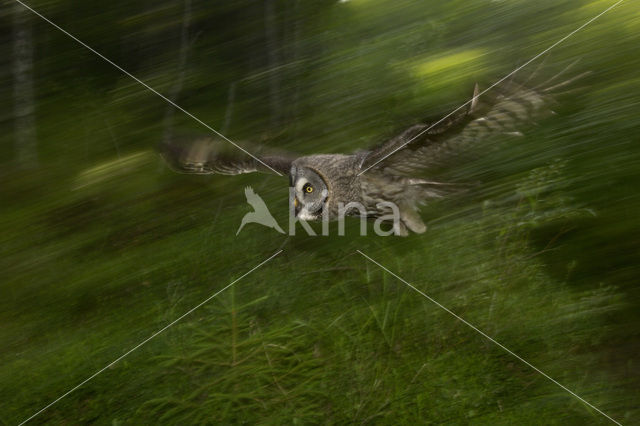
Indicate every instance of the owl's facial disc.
{"type": "Point", "coordinates": [310, 195]}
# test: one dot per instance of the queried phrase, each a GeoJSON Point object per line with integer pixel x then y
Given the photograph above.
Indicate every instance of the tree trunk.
{"type": "Point", "coordinates": [182, 62]}
{"type": "Point", "coordinates": [231, 97]}
{"type": "Point", "coordinates": [297, 41]}
{"type": "Point", "coordinates": [24, 103]}
{"type": "Point", "coordinates": [271, 33]}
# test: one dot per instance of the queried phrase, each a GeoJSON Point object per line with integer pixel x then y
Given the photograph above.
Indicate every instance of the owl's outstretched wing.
{"type": "Point", "coordinates": [424, 148]}
{"type": "Point", "coordinates": [208, 156]}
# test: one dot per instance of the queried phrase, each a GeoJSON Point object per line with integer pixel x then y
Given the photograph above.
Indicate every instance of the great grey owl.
{"type": "Point", "coordinates": [403, 170]}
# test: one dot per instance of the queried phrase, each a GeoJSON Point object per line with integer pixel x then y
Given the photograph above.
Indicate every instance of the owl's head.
{"type": "Point", "coordinates": [309, 193]}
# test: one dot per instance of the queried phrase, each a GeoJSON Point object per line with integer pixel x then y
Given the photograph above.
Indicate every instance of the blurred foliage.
{"type": "Point", "coordinates": [101, 245]}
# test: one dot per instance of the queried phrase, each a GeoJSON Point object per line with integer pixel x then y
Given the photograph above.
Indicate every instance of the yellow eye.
{"type": "Point", "coordinates": [307, 188]}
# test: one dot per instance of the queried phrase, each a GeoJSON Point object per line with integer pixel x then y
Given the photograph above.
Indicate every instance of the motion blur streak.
{"type": "Point", "coordinates": [483, 334]}
{"type": "Point", "coordinates": [149, 87]}
{"type": "Point", "coordinates": [469, 102]}
{"type": "Point", "coordinates": [190, 311]}
{"type": "Point", "coordinates": [537, 241]}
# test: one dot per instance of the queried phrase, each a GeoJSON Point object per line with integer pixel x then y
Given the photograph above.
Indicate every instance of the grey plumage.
{"type": "Point", "coordinates": [403, 170]}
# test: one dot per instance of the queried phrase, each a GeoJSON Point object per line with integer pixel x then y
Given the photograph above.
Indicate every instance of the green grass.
{"type": "Point", "coordinates": [101, 246]}
{"type": "Point", "coordinates": [319, 334]}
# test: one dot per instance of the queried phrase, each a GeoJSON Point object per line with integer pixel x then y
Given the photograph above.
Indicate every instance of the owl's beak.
{"type": "Point", "coordinates": [296, 206]}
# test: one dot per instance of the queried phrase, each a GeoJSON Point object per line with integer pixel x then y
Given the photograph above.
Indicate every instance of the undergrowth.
{"type": "Point", "coordinates": [373, 350]}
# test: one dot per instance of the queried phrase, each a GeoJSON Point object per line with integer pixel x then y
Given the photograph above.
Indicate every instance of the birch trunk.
{"type": "Point", "coordinates": [271, 33]}
{"type": "Point", "coordinates": [229, 113]}
{"type": "Point", "coordinates": [23, 94]}
{"type": "Point", "coordinates": [182, 63]}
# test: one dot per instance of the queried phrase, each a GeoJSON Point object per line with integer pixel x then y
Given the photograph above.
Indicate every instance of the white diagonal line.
{"type": "Point", "coordinates": [491, 339]}
{"type": "Point", "coordinates": [151, 337]}
{"type": "Point", "coordinates": [494, 84]}
{"type": "Point", "coordinates": [148, 87]}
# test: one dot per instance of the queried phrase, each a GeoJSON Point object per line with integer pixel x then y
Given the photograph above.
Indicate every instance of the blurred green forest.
{"type": "Point", "coordinates": [102, 245]}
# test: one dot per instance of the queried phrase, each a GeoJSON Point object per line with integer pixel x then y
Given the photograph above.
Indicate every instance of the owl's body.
{"type": "Point", "coordinates": [368, 193]}
{"type": "Point", "coordinates": [400, 174]}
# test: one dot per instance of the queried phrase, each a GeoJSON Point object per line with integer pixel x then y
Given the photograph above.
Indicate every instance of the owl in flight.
{"type": "Point", "coordinates": [403, 170]}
